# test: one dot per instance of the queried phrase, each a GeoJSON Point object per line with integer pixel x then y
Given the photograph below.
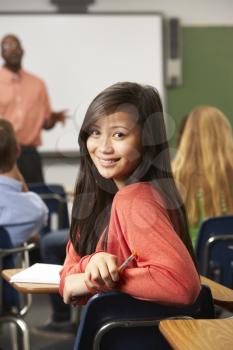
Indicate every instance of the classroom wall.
{"type": "Point", "coordinates": [207, 31]}
{"type": "Point", "coordinates": [207, 72]}
{"type": "Point", "coordinates": [191, 12]}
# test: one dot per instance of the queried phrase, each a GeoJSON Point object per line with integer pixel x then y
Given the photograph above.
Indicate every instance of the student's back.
{"type": "Point", "coordinates": [22, 213]}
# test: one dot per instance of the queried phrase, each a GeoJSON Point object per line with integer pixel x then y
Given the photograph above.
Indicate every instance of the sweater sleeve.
{"type": "Point", "coordinates": [73, 264]}
{"type": "Point", "coordinates": [164, 270]}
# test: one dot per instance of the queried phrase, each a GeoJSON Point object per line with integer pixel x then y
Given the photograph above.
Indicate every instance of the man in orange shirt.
{"type": "Point", "coordinates": [24, 102]}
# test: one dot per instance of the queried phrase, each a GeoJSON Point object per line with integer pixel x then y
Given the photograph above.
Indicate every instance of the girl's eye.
{"type": "Point", "coordinates": [119, 135]}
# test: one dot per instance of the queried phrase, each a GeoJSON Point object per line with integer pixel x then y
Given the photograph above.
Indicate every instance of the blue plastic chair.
{"type": "Point", "coordinates": [117, 321]}
{"type": "Point", "coordinates": [9, 297]}
{"type": "Point", "coordinates": [214, 249]}
{"type": "Point", "coordinates": [55, 198]}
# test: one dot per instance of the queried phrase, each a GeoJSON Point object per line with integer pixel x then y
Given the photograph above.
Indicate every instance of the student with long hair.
{"type": "Point", "coordinates": [125, 201]}
{"type": "Point", "coordinates": [203, 166]}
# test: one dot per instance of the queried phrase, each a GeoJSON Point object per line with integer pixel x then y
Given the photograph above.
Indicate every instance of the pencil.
{"type": "Point", "coordinates": [127, 261]}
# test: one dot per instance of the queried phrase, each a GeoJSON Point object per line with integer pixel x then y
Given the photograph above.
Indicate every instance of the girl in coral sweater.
{"type": "Point", "coordinates": [126, 200]}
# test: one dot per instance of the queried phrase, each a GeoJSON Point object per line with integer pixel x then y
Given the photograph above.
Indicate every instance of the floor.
{"type": "Point", "coordinates": [37, 315]}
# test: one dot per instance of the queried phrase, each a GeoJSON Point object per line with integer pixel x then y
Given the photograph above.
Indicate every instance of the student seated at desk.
{"type": "Point", "coordinates": [203, 166]}
{"type": "Point", "coordinates": [53, 251]}
{"type": "Point", "coordinates": [22, 213]}
{"type": "Point", "coordinates": [126, 200]}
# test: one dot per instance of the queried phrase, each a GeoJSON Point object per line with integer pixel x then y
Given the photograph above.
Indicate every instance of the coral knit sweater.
{"type": "Point", "coordinates": [164, 271]}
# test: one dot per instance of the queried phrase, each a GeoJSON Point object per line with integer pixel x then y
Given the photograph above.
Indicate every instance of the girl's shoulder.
{"type": "Point", "coordinates": [141, 192]}
{"type": "Point", "coordinates": [134, 188]}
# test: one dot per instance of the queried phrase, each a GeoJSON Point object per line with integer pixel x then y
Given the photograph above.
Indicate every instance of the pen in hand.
{"type": "Point", "coordinates": [75, 300]}
{"type": "Point", "coordinates": [127, 261]}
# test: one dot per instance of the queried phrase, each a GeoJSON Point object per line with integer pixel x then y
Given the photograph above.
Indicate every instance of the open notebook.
{"type": "Point", "coordinates": [38, 273]}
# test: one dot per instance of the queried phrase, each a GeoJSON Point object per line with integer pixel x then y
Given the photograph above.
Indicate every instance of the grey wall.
{"type": "Point", "coordinates": [191, 12]}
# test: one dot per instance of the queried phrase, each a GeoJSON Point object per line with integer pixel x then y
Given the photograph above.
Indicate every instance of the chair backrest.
{"type": "Point", "coordinates": [56, 200]}
{"type": "Point", "coordinates": [214, 249]}
{"type": "Point", "coordinates": [8, 295]}
{"type": "Point", "coordinates": [11, 256]}
{"type": "Point", "coordinates": [116, 321]}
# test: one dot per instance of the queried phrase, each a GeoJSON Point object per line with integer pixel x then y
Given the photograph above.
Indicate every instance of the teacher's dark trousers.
{"type": "Point", "coordinates": [30, 165]}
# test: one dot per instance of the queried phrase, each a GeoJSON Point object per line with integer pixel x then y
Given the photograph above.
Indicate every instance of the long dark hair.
{"type": "Point", "coordinates": [94, 194]}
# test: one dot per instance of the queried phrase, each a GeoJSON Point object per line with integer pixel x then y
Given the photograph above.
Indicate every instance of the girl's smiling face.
{"type": "Point", "coordinates": [114, 144]}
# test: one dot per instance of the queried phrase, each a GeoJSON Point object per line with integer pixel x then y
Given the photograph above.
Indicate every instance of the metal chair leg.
{"type": "Point", "coordinates": [23, 340]}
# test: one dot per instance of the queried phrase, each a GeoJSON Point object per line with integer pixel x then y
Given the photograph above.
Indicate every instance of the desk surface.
{"type": "Point", "coordinates": [198, 334]}
{"type": "Point", "coordinates": [32, 288]}
{"type": "Point", "coordinates": [222, 295]}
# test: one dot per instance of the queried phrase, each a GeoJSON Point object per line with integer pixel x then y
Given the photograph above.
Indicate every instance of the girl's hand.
{"type": "Point", "coordinates": [74, 287]}
{"type": "Point", "coordinates": [102, 269]}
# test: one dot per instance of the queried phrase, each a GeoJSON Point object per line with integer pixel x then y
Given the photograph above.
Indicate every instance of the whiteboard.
{"type": "Point", "coordinates": [79, 55]}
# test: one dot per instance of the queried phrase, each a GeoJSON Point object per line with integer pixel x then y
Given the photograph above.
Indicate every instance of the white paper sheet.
{"type": "Point", "coordinates": [39, 273]}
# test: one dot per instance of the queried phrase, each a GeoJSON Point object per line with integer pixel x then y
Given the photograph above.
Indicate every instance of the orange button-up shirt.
{"type": "Point", "coordinates": [24, 102]}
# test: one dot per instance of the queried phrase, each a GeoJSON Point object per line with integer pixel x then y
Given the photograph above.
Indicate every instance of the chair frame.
{"type": "Point", "coordinates": [50, 192]}
{"type": "Point", "coordinates": [22, 331]}
{"type": "Point", "coordinates": [126, 324]}
{"type": "Point", "coordinates": [119, 310]}
{"type": "Point", "coordinates": [61, 202]}
{"type": "Point", "coordinates": [209, 245]}
{"type": "Point", "coordinates": [214, 231]}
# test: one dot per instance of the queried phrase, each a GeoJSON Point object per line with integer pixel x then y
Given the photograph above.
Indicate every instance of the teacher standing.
{"type": "Point", "coordinates": [25, 103]}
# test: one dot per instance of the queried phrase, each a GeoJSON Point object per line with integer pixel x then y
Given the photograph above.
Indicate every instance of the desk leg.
{"type": "Point", "coordinates": [76, 314]}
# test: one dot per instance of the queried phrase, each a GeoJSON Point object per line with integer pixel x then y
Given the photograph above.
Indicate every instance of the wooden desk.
{"type": "Point", "coordinates": [222, 295]}
{"type": "Point", "coordinates": [31, 288]}
{"type": "Point", "coordinates": [198, 334]}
